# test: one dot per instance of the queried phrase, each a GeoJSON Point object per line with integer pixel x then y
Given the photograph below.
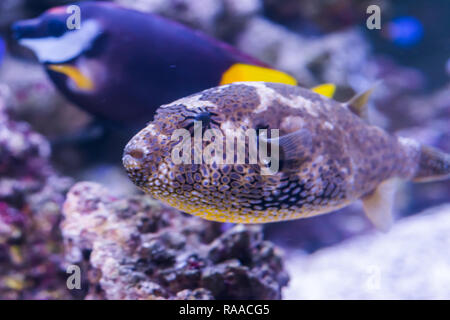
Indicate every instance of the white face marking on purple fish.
{"type": "Point", "coordinates": [66, 47]}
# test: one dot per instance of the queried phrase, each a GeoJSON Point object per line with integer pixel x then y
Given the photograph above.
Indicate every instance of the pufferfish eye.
{"type": "Point", "coordinates": [204, 117]}
{"type": "Point", "coordinates": [56, 28]}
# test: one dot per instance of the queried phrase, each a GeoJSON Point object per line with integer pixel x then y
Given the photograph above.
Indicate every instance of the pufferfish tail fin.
{"type": "Point", "coordinates": [434, 165]}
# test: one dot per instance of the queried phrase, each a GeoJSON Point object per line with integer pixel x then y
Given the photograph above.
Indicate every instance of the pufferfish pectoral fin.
{"type": "Point", "coordinates": [293, 146]}
{"type": "Point", "coordinates": [378, 206]}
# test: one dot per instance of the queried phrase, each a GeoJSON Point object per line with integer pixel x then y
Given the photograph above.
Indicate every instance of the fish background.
{"type": "Point", "coordinates": [317, 41]}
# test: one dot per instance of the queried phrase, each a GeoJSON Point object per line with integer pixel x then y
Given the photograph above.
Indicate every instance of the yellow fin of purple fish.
{"type": "Point", "coordinates": [81, 81]}
{"type": "Point", "coordinates": [326, 89]}
{"type": "Point", "coordinates": [378, 206]}
{"type": "Point", "coordinates": [239, 72]}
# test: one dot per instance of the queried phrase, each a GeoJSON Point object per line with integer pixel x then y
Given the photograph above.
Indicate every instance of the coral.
{"type": "Point", "coordinates": [135, 248]}
{"type": "Point", "coordinates": [10, 10]}
{"type": "Point", "coordinates": [221, 18]}
{"type": "Point", "coordinates": [31, 196]}
{"type": "Point", "coordinates": [310, 60]}
{"type": "Point", "coordinates": [323, 15]}
{"type": "Point", "coordinates": [35, 99]}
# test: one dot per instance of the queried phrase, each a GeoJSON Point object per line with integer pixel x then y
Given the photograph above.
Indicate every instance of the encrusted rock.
{"type": "Point", "coordinates": [140, 249]}
{"type": "Point", "coordinates": [31, 196]}
{"type": "Point", "coordinates": [222, 18]}
{"type": "Point", "coordinates": [310, 60]}
{"type": "Point", "coordinates": [33, 97]}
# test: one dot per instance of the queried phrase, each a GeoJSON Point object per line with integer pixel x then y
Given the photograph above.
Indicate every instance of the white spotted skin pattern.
{"type": "Point", "coordinates": [344, 160]}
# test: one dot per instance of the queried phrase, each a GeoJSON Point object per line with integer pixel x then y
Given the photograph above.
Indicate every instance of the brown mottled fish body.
{"type": "Point", "coordinates": [336, 159]}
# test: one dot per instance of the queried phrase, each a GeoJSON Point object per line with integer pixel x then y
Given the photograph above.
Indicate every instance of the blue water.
{"type": "Point", "coordinates": [406, 31]}
{"type": "Point", "coordinates": [2, 50]}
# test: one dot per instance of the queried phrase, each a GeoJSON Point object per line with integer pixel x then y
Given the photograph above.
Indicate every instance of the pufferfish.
{"type": "Point", "coordinates": [329, 156]}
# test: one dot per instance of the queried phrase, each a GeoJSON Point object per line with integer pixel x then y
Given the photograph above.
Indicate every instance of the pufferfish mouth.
{"type": "Point", "coordinates": [130, 163]}
{"type": "Point", "coordinates": [143, 150]}
{"type": "Point", "coordinates": [133, 157]}
{"type": "Point", "coordinates": [133, 162]}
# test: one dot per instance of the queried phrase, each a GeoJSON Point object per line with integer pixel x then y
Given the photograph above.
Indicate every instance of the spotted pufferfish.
{"type": "Point", "coordinates": [329, 155]}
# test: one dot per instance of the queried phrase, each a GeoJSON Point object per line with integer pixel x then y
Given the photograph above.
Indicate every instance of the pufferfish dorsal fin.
{"type": "Point", "coordinates": [293, 146]}
{"type": "Point", "coordinates": [378, 206]}
{"type": "Point", "coordinates": [358, 104]}
{"type": "Point", "coordinates": [326, 89]}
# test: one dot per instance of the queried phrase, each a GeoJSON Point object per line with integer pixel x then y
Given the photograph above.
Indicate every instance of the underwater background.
{"type": "Point", "coordinates": [68, 203]}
